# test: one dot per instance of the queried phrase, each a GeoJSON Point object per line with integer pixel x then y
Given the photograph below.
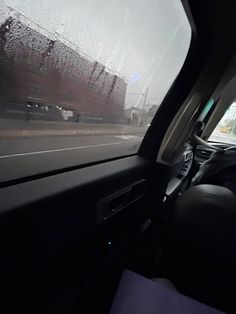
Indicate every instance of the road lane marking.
{"type": "Point", "coordinates": [64, 149]}
{"type": "Point", "coordinates": [129, 137]}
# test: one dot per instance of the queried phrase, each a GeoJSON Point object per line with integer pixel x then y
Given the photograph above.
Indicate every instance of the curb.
{"type": "Point", "coordinates": [19, 128]}
{"type": "Point", "coordinates": [45, 133]}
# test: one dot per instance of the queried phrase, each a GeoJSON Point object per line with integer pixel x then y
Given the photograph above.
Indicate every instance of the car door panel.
{"type": "Point", "coordinates": [56, 239]}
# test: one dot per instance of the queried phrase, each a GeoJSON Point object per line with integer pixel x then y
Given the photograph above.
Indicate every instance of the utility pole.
{"type": "Point", "coordinates": [144, 104]}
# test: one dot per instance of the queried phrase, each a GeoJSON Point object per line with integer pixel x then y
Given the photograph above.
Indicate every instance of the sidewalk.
{"type": "Point", "coordinates": [19, 128]}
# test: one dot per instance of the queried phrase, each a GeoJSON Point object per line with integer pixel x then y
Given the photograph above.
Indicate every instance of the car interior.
{"type": "Point", "coordinates": [68, 235]}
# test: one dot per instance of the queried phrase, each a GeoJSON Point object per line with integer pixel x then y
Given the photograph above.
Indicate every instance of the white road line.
{"type": "Point", "coordinates": [129, 137]}
{"type": "Point", "coordinates": [64, 149]}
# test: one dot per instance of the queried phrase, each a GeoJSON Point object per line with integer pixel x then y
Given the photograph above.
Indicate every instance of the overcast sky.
{"type": "Point", "coordinates": [145, 41]}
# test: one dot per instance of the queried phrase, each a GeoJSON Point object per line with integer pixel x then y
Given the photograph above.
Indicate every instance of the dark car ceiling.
{"type": "Point", "coordinates": [216, 32]}
{"type": "Point", "coordinates": [215, 22]}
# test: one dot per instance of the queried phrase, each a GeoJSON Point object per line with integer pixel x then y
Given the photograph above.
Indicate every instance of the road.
{"type": "Point", "coordinates": [22, 157]}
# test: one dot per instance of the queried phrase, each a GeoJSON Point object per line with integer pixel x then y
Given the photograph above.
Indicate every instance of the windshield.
{"type": "Point", "coordinates": [225, 131]}
{"type": "Point", "coordinates": [81, 80]}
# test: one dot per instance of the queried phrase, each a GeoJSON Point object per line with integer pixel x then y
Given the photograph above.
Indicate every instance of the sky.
{"type": "Point", "coordinates": [144, 41]}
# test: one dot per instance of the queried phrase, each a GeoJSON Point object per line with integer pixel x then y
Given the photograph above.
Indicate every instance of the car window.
{"type": "Point", "coordinates": [225, 131]}
{"type": "Point", "coordinates": [81, 80]}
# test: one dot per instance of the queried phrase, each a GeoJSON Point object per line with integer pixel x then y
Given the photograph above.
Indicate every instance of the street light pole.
{"type": "Point", "coordinates": [144, 104]}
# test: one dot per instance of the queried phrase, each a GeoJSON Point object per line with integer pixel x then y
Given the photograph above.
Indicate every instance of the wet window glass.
{"type": "Point", "coordinates": [81, 80]}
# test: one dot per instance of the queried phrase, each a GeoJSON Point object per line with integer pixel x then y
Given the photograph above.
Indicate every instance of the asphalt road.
{"type": "Point", "coordinates": [22, 157]}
